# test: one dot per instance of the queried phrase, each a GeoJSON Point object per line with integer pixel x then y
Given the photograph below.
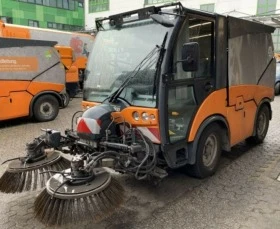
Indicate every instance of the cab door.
{"type": "Point", "coordinates": [186, 90]}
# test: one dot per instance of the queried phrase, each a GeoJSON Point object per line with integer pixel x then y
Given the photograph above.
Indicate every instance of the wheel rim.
{"type": "Point", "coordinates": [210, 150]}
{"type": "Point", "coordinates": [46, 109]}
{"type": "Point", "coordinates": [261, 124]}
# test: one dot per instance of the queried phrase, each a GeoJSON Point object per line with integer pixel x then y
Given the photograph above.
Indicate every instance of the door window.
{"type": "Point", "coordinates": [200, 31]}
{"type": "Point", "coordinates": [181, 106]}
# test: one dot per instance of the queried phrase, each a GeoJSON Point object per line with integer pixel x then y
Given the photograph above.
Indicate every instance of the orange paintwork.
{"type": "Point", "coordinates": [207, 109]}
{"type": "Point", "coordinates": [277, 56]}
{"type": "Point", "coordinates": [240, 114]}
{"type": "Point", "coordinates": [10, 86]}
{"type": "Point", "coordinates": [68, 60]}
{"type": "Point", "coordinates": [127, 115]}
{"type": "Point", "coordinates": [18, 64]}
{"type": "Point", "coordinates": [15, 96]}
{"type": "Point", "coordinates": [241, 121]}
{"type": "Point", "coordinates": [72, 75]}
{"type": "Point", "coordinates": [87, 104]}
{"type": "Point", "coordinates": [15, 105]}
{"type": "Point", "coordinates": [37, 87]}
{"type": "Point", "coordinates": [66, 55]}
{"type": "Point", "coordinates": [249, 92]}
{"type": "Point", "coordinates": [15, 32]}
{"type": "Point", "coordinates": [80, 62]}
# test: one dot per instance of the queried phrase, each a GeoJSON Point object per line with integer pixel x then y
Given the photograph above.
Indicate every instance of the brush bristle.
{"type": "Point", "coordinates": [12, 182]}
{"type": "Point", "coordinates": [53, 211]}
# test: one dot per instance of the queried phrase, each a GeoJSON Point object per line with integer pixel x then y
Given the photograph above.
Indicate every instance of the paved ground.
{"type": "Point", "coordinates": [244, 193]}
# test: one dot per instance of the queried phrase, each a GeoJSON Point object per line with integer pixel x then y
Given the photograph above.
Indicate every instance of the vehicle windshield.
{"type": "Point", "coordinates": [115, 56]}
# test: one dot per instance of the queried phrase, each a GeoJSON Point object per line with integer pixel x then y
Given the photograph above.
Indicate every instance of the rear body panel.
{"type": "Point", "coordinates": [80, 43]}
{"type": "Point", "coordinates": [27, 68]}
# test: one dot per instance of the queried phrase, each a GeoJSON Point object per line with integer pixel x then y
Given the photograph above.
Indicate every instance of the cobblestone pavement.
{"type": "Point", "coordinates": [244, 193]}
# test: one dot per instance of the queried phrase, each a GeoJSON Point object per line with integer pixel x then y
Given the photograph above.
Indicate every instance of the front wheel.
{"type": "Point", "coordinates": [45, 108]}
{"type": "Point", "coordinates": [66, 99]}
{"type": "Point", "coordinates": [262, 124]}
{"type": "Point", "coordinates": [208, 152]}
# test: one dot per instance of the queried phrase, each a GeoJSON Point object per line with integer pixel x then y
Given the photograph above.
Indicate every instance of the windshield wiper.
{"type": "Point", "coordinates": [146, 61]}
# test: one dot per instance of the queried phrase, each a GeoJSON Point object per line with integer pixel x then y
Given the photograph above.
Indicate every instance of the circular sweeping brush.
{"type": "Point", "coordinates": [32, 172]}
{"type": "Point", "coordinates": [69, 200]}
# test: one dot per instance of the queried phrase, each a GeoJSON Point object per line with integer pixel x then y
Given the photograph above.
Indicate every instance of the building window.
{"type": "Point", "coordinates": [59, 26]}
{"type": "Point", "coordinates": [33, 23]}
{"type": "Point", "coordinates": [6, 19]}
{"type": "Point", "coordinates": [208, 7]}
{"type": "Point", "coordinates": [52, 3]}
{"type": "Point", "coordinates": [98, 5]}
{"type": "Point", "coordinates": [152, 2]}
{"type": "Point", "coordinates": [266, 6]}
{"type": "Point", "coordinates": [63, 4]}
{"type": "Point", "coordinates": [59, 3]}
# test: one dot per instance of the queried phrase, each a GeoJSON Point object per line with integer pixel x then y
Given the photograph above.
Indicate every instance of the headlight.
{"type": "Point", "coordinates": [152, 117]}
{"type": "Point", "coordinates": [145, 116]}
{"type": "Point", "coordinates": [135, 115]}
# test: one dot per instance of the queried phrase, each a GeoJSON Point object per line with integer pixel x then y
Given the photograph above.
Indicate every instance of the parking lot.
{"type": "Point", "coordinates": [244, 193]}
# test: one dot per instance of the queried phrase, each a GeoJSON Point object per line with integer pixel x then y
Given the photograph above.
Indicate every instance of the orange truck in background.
{"type": "Point", "coordinates": [32, 79]}
{"type": "Point", "coordinates": [67, 58]}
{"type": "Point", "coordinates": [73, 48]}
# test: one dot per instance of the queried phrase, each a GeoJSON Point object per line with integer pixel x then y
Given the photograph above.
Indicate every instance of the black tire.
{"type": "Point", "coordinates": [261, 126]}
{"type": "Point", "coordinates": [45, 108]}
{"type": "Point", "coordinates": [277, 88]}
{"type": "Point", "coordinates": [65, 99]}
{"type": "Point", "coordinates": [208, 152]}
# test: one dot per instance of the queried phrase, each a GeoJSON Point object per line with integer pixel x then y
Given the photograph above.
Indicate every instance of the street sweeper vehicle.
{"type": "Point", "coordinates": [73, 49]}
{"type": "Point", "coordinates": [32, 79]}
{"type": "Point", "coordinates": [166, 87]}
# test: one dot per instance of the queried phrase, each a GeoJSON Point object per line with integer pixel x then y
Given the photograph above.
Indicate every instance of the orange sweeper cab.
{"type": "Point", "coordinates": [193, 83]}
{"type": "Point", "coordinates": [165, 87]}
{"type": "Point", "coordinates": [32, 79]}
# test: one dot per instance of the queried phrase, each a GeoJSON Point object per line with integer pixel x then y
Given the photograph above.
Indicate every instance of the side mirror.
{"type": "Point", "coordinates": [190, 57]}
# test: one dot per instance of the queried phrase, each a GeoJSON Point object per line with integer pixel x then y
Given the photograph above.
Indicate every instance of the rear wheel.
{"type": "Point", "coordinates": [46, 108]}
{"type": "Point", "coordinates": [208, 152]}
{"type": "Point", "coordinates": [277, 88]}
{"type": "Point", "coordinates": [262, 124]}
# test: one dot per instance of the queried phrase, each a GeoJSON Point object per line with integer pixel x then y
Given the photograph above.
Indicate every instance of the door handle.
{"type": "Point", "coordinates": [208, 86]}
